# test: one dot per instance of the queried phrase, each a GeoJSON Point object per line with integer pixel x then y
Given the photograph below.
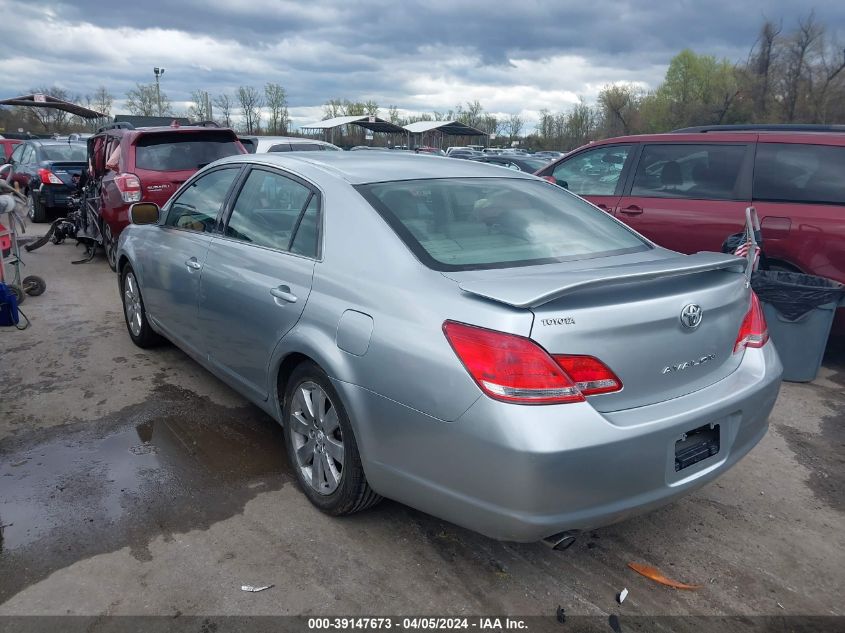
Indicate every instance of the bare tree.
{"type": "Point", "coordinates": [512, 126]}
{"type": "Point", "coordinates": [102, 101]}
{"type": "Point", "coordinates": [393, 115]}
{"type": "Point", "coordinates": [760, 66]}
{"type": "Point", "coordinates": [797, 81]}
{"type": "Point", "coordinates": [277, 102]}
{"type": "Point", "coordinates": [142, 100]}
{"type": "Point", "coordinates": [371, 108]}
{"type": "Point", "coordinates": [224, 105]}
{"type": "Point", "coordinates": [200, 109]}
{"type": "Point", "coordinates": [250, 102]}
{"type": "Point", "coordinates": [50, 119]}
{"type": "Point", "coordinates": [619, 104]}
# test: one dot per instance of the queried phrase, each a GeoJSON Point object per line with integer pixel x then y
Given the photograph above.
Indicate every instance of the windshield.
{"type": "Point", "coordinates": [182, 151]}
{"type": "Point", "coordinates": [472, 223]}
{"type": "Point", "coordinates": [65, 152]}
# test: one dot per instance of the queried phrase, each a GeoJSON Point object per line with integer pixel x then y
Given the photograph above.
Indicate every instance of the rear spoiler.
{"type": "Point", "coordinates": [533, 290]}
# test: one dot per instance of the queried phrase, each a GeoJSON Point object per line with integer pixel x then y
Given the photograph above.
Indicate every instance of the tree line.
{"type": "Point", "coordinates": [789, 76]}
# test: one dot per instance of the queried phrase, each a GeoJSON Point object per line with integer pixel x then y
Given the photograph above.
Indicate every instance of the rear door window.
{"type": "Point", "coordinates": [280, 147]}
{"type": "Point", "coordinates": [305, 147]}
{"type": "Point", "coordinates": [196, 207]}
{"type": "Point", "coordinates": [175, 151]}
{"type": "Point", "coordinates": [703, 172]}
{"type": "Point", "coordinates": [17, 154]}
{"type": "Point", "coordinates": [787, 172]}
{"type": "Point", "coordinates": [268, 211]}
{"type": "Point", "coordinates": [594, 172]}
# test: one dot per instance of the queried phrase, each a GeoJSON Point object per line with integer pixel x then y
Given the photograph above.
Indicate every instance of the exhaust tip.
{"type": "Point", "coordinates": [562, 540]}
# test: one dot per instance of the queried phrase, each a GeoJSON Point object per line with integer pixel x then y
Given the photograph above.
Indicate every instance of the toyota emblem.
{"type": "Point", "coordinates": [691, 316]}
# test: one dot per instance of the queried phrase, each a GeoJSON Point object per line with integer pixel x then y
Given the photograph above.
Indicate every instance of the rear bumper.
{"type": "Point", "coordinates": [524, 473]}
{"type": "Point", "coordinates": [55, 196]}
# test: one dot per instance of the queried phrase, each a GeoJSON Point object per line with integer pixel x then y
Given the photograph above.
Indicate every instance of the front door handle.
{"type": "Point", "coordinates": [632, 210]}
{"type": "Point", "coordinates": [193, 264]}
{"type": "Point", "coordinates": [602, 206]}
{"type": "Point", "coordinates": [283, 292]}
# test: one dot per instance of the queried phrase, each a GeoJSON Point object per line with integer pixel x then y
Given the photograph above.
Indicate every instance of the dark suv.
{"type": "Point", "coordinates": [688, 190]}
{"type": "Point", "coordinates": [130, 164]}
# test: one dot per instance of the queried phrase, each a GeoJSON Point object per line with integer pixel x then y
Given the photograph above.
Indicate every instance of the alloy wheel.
{"type": "Point", "coordinates": [317, 438]}
{"type": "Point", "coordinates": [132, 304]}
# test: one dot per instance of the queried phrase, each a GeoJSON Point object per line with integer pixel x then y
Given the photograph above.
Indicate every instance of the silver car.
{"type": "Point", "coordinates": [471, 341]}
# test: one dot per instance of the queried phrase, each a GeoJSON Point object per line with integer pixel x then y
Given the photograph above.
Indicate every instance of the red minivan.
{"type": "Point", "coordinates": [131, 164]}
{"type": "Point", "coordinates": [688, 190]}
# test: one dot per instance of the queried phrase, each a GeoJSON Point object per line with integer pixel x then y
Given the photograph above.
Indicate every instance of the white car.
{"type": "Point", "coordinates": [264, 144]}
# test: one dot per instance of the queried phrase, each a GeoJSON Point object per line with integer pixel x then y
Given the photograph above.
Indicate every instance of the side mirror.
{"type": "Point", "coordinates": [5, 170]}
{"type": "Point", "coordinates": [144, 213]}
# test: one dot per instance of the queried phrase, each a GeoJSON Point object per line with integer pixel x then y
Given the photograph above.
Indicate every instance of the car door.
{"type": "Point", "coordinates": [595, 173]}
{"type": "Point", "coordinates": [799, 194]}
{"type": "Point", "coordinates": [689, 197]}
{"type": "Point", "coordinates": [22, 172]}
{"type": "Point", "coordinates": [173, 268]}
{"type": "Point", "coordinates": [15, 161]}
{"type": "Point", "coordinates": [258, 274]}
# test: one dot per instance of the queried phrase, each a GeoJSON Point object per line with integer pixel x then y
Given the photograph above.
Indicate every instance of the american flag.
{"type": "Point", "coordinates": [742, 251]}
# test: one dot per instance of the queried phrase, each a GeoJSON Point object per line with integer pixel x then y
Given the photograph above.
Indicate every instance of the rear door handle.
{"type": "Point", "coordinates": [632, 210]}
{"type": "Point", "coordinates": [283, 292]}
{"type": "Point", "coordinates": [193, 264]}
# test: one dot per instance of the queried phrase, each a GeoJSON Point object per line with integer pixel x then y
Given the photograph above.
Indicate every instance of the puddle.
{"type": "Point", "coordinates": [174, 463]}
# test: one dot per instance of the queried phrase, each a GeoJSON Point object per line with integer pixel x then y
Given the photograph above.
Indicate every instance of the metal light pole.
{"type": "Point", "coordinates": [158, 73]}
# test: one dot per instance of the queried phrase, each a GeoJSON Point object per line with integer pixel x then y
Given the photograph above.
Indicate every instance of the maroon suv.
{"type": "Point", "coordinates": [688, 190]}
{"type": "Point", "coordinates": [130, 164]}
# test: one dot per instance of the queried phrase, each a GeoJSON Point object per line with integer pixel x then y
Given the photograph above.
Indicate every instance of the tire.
{"type": "Point", "coordinates": [134, 313]}
{"type": "Point", "coordinates": [34, 286]}
{"type": "Point", "coordinates": [19, 293]}
{"type": "Point", "coordinates": [109, 247]}
{"type": "Point", "coordinates": [37, 212]}
{"type": "Point", "coordinates": [336, 488]}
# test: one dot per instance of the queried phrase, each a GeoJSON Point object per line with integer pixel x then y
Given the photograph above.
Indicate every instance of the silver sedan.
{"type": "Point", "coordinates": [470, 341]}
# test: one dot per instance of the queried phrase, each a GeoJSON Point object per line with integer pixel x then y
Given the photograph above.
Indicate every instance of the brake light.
{"type": "Point", "coordinates": [48, 177]}
{"type": "Point", "coordinates": [510, 368]}
{"type": "Point", "coordinates": [589, 374]}
{"type": "Point", "coordinates": [129, 186]}
{"type": "Point", "coordinates": [753, 332]}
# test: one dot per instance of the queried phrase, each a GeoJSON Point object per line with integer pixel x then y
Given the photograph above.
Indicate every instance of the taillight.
{"type": "Point", "coordinates": [48, 177]}
{"type": "Point", "coordinates": [509, 367]}
{"type": "Point", "coordinates": [129, 187]}
{"type": "Point", "coordinates": [589, 374]}
{"type": "Point", "coordinates": [753, 332]}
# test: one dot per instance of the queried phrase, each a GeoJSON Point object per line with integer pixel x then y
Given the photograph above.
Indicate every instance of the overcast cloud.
{"type": "Point", "coordinates": [514, 57]}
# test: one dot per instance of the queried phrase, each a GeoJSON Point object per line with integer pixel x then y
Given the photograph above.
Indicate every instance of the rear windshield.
{"type": "Point", "coordinates": [474, 223]}
{"type": "Point", "coordinates": [182, 151]}
{"type": "Point", "coordinates": [64, 152]}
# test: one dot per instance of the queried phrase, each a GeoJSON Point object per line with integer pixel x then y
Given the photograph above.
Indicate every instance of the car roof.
{"type": "Point", "coordinates": [728, 136]}
{"type": "Point", "coordinates": [54, 141]}
{"type": "Point", "coordinates": [367, 167]}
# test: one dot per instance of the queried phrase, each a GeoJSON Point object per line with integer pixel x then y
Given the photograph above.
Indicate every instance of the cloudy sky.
{"type": "Point", "coordinates": [515, 56]}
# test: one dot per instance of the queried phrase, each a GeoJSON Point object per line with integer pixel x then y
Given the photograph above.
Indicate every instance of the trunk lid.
{"type": "Point", "coordinates": [628, 316]}
{"type": "Point", "coordinates": [158, 186]}
{"type": "Point", "coordinates": [66, 171]}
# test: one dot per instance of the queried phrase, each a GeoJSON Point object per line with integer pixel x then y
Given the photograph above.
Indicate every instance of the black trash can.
{"type": "Point", "coordinates": [799, 311]}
